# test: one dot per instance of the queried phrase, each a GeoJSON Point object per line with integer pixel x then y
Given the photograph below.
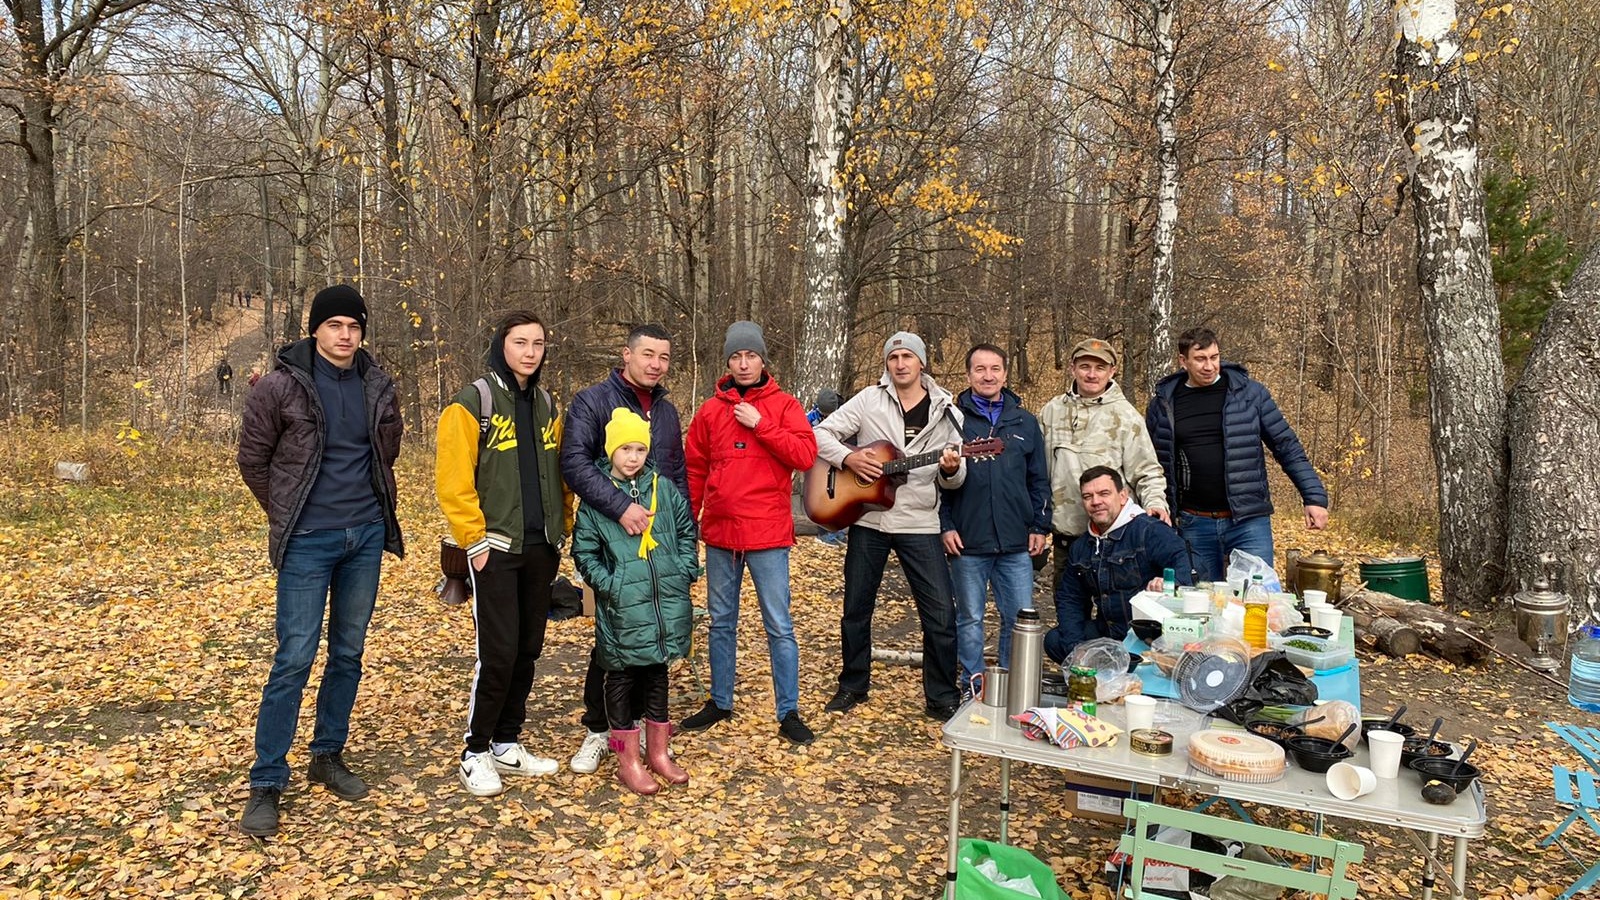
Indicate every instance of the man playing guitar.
{"type": "Point", "coordinates": [909, 409]}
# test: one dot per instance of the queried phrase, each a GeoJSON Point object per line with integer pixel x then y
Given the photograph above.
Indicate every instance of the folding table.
{"type": "Point", "coordinates": [1397, 801]}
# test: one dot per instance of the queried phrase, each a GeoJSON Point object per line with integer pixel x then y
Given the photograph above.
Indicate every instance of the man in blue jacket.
{"type": "Point", "coordinates": [999, 518]}
{"type": "Point", "coordinates": [1125, 551]}
{"type": "Point", "coordinates": [1208, 423]}
{"type": "Point", "coordinates": [635, 386]}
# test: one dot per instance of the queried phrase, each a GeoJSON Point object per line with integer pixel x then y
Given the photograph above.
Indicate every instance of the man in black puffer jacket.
{"type": "Point", "coordinates": [635, 386]}
{"type": "Point", "coordinates": [317, 449]}
{"type": "Point", "coordinates": [1208, 423]}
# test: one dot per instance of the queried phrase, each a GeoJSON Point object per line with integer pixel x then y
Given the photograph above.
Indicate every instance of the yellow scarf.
{"type": "Point", "coordinates": [647, 541]}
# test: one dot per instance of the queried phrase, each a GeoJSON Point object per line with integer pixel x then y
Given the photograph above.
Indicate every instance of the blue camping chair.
{"type": "Point", "coordinates": [1577, 790]}
{"type": "Point", "coordinates": [1584, 740]}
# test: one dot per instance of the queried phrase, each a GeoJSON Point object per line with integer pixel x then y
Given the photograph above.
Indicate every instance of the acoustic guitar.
{"type": "Point", "coordinates": [835, 497]}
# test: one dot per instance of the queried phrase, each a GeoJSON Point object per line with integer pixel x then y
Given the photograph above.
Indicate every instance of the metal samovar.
{"type": "Point", "coordinates": [1542, 623]}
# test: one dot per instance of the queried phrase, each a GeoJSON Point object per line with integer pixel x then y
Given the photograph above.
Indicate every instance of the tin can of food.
{"type": "Point", "coordinates": [1150, 742]}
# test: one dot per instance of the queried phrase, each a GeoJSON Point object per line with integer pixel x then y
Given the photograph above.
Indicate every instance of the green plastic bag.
{"type": "Point", "coordinates": [1013, 862]}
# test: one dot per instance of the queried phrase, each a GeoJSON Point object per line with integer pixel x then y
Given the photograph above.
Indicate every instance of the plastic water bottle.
{"type": "Point", "coordinates": [1583, 688]}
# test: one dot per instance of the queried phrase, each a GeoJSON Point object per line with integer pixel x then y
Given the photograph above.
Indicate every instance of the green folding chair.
{"type": "Point", "coordinates": [1138, 845]}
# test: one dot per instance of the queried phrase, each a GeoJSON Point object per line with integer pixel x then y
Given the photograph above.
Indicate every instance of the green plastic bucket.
{"type": "Point", "coordinates": [1402, 576]}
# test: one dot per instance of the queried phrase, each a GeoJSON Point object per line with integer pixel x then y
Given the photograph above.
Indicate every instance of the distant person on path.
{"type": "Point", "coordinates": [1093, 424]}
{"type": "Point", "coordinates": [643, 613]}
{"type": "Point", "coordinates": [1209, 422]}
{"type": "Point", "coordinates": [635, 386]}
{"type": "Point", "coordinates": [224, 377]}
{"type": "Point", "coordinates": [999, 519]}
{"type": "Point", "coordinates": [1124, 551]}
{"type": "Point", "coordinates": [317, 449]}
{"type": "Point", "coordinates": [499, 483]}
{"type": "Point", "coordinates": [744, 445]}
{"type": "Point", "coordinates": [909, 409]}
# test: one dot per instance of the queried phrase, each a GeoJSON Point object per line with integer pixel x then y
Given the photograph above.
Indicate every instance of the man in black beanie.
{"type": "Point", "coordinates": [321, 433]}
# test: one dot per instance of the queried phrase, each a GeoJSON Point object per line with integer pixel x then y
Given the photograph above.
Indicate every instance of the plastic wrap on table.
{"type": "Point", "coordinates": [1106, 656]}
{"type": "Point", "coordinates": [1242, 566]}
{"type": "Point", "coordinates": [1337, 715]}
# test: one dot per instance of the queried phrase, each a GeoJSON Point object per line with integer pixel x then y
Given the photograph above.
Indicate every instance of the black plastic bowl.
{"type": "Point", "coordinates": [1435, 769]}
{"type": "Point", "coordinates": [1422, 748]}
{"type": "Point", "coordinates": [1274, 731]}
{"type": "Point", "coordinates": [1147, 629]}
{"type": "Point", "coordinates": [1315, 754]}
{"type": "Point", "coordinates": [1307, 631]}
{"type": "Point", "coordinates": [1382, 724]}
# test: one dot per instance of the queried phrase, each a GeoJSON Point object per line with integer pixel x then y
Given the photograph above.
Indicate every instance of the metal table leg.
{"type": "Point", "coordinates": [1005, 800]}
{"type": "Point", "coordinates": [1427, 866]}
{"type": "Point", "coordinates": [955, 824]}
{"type": "Point", "coordinates": [1458, 890]}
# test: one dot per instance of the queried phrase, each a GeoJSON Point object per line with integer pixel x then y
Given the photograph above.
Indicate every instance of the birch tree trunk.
{"type": "Point", "coordinates": [1554, 501]}
{"type": "Point", "coordinates": [1166, 230]}
{"type": "Point", "coordinates": [1466, 384]}
{"type": "Point", "coordinates": [826, 325]}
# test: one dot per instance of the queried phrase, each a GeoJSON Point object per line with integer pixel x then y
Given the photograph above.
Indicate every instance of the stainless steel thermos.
{"type": "Point", "coordinates": [1027, 665]}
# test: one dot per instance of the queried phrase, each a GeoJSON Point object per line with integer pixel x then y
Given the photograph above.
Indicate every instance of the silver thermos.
{"type": "Point", "coordinates": [1027, 662]}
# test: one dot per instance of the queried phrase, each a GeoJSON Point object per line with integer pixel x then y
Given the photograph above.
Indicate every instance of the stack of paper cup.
{"type": "Point", "coordinates": [1194, 600]}
{"type": "Point", "coordinates": [1327, 617]}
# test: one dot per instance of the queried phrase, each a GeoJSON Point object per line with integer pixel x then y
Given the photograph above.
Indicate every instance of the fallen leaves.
{"type": "Point", "coordinates": [141, 613]}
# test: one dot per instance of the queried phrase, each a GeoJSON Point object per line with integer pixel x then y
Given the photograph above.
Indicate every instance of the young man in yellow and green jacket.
{"type": "Point", "coordinates": [499, 484]}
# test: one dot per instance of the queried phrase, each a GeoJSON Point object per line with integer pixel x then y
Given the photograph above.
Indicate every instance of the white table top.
{"type": "Point", "coordinates": [1397, 801]}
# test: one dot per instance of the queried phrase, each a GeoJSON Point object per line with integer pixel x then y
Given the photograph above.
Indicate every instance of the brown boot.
{"type": "Point", "coordinates": [630, 768]}
{"type": "Point", "coordinates": [659, 735]}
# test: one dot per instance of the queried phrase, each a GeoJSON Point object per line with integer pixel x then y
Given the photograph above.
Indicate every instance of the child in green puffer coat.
{"type": "Point", "coordinates": [643, 613]}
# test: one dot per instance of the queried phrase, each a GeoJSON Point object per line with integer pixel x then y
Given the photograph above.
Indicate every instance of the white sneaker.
{"type": "Point", "coordinates": [518, 761]}
{"type": "Point", "coordinates": [596, 744]}
{"type": "Point", "coordinates": [478, 776]}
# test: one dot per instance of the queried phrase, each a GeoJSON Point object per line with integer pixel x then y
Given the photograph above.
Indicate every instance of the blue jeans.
{"type": "Point", "coordinates": [769, 570]}
{"type": "Point", "coordinates": [1011, 575]}
{"type": "Point", "coordinates": [332, 569]}
{"type": "Point", "coordinates": [1212, 541]}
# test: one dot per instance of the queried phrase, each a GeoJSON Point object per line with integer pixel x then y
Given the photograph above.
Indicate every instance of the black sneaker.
{"type": "Point", "coordinates": [941, 711]}
{"type": "Point", "coordinates": [709, 715]}
{"type": "Point", "coordinates": [260, 817]}
{"type": "Point", "coordinates": [329, 769]}
{"type": "Point", "coordinates": [795, 730]}
{"type": "Point", "coordinates": [845, 700]}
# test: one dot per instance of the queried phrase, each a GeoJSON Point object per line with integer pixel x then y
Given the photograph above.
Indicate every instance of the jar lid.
{"type": "Point", "coordinates": [1083, 672]}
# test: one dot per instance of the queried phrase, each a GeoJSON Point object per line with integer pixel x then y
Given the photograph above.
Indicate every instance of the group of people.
{"type": "Point", "coordinates": [323, 429]}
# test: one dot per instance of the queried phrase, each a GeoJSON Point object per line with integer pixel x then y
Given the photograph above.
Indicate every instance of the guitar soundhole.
{"type": "Point", "coordinates": [862, 482]}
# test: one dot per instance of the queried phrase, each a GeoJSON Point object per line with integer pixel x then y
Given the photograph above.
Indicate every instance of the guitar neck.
{"type": "Point", "coordinates": [906, 463]}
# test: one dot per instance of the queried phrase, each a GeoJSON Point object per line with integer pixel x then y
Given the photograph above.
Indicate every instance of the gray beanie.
{"type": "Point", "coordinates": [743, 335]}
{"type": "Point", "coordinates": [905, 340]}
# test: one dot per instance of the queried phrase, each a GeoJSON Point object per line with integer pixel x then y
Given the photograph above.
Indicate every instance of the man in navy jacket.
{"type": "Point", "coordinates": [1208, 423]}
{"type": "Point", "coordinates": [635, 386]}
{"type": "Point", "coordinates": [999, 519]}
{"type": "Point", "coordinates": [1125, 551]}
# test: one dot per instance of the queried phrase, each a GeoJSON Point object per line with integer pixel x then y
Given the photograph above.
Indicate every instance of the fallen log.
{"type": "Point", "coordinates": [1390, 636]}
{"type": "Point", "coordinates": [1442, 633]}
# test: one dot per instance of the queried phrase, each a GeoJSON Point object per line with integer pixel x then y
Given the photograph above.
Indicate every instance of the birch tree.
{"type": "Point", "coordinates": [1166, 121]}
{"type": "Point", "coordinates": [825, 333]}
{"type": "Point", "coordinates": [1466, 384]}
{"type": "Point", "coordinates": [1554, 500]}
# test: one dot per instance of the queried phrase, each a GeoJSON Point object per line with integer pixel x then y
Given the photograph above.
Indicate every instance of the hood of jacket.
{"type": "Point", "coordinates": [1130, 510]}
{"type": "Point", "coordinates": [728, 391]}
{"type": "Point", "coordinates": [495, 358]}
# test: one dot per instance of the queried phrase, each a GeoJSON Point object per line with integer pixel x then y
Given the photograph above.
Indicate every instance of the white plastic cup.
{"type": "Point", "coordinates": [1348, 782]}
{"type": "Point", "coordinates": [1385, 752]}
{"type": "Point", "coordinates": [1141, 711]}
{"type": "Point", "coordinates": [1315, 598]}
{"type": "Point", "coordinates": [1327, 617]}
{"type": "Point", "coordinates": [1195, 601]}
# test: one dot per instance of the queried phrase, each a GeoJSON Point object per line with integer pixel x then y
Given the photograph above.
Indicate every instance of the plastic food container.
{"type": "Point", "coordinates": [1330, 654]}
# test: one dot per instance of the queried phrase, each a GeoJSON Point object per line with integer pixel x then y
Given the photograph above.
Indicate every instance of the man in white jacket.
{"type": "Point", "coordinates": [909, 409]}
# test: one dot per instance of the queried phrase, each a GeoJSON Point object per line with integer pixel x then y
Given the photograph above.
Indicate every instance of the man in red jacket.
{"type": "Point", "coordinates": [743, 447]}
